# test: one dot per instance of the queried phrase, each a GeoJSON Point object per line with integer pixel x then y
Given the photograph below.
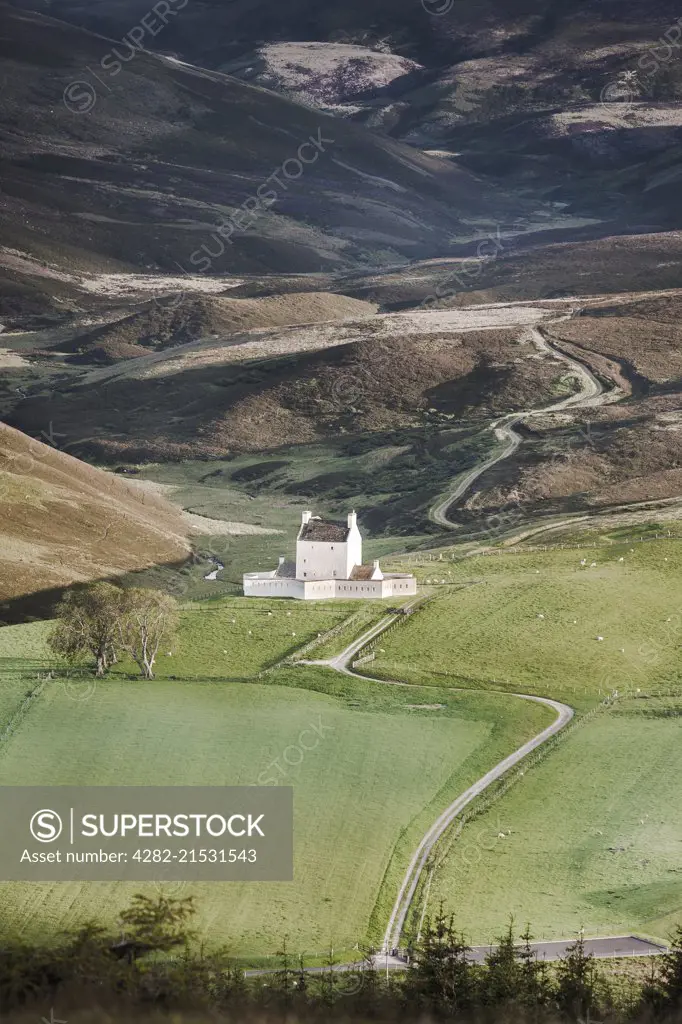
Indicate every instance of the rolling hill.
{"type": "Point", "coordinates": [62, 521]}
{"type": "Point", "coordinates": [573, 100]}
{"type": "Point", "coordinates": [140, 166]}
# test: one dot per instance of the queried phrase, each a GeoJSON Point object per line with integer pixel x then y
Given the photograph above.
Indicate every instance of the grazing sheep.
{"type": "Point", "coordinates": [541, 616]}
{"type": "Point", "coordinates": [593, 565]}
{"type": "Point", "coordinates": [599, 638]}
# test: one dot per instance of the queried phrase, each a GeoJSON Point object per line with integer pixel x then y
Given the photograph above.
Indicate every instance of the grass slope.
{"type": "Point", "coordinates": [530, 623]}
{"type": "Point", "coordinates": [594, 841]}
{"type": "Point", "coordinates": [62, 521]}
{"type": "Point", "coordinates": [238, 637]}
{"type": "Point", "coordinates": [24, 657]}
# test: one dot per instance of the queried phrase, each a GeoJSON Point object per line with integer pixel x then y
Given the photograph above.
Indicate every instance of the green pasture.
{"type": "Point", "coordinates": [24, 660]}
{"type": "Point", "coordinates": [531, 623]}
{"type": "Point", "coordinates": [589, 838]}
{"type": "Point", "coordinates": [237, 637]}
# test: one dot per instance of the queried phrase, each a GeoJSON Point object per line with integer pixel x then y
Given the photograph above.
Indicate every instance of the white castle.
{"type": "Point", "coordinates": [328, 564]}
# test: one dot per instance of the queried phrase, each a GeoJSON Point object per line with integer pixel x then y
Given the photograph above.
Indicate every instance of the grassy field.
{"type": "Point", "coordinates": [530, 622]}
{"type": "Point", "coordinates": [237, 637]}
{"type": "Point", "coordinates": [384, 768]}
{"type": "Point", "coordinates": [592, 835]}
{"type": "Point", "coordinates": [24, 659]}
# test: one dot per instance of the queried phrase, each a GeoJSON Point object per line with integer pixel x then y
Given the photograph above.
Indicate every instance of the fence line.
{"type": "Point", "coordinates": [430, 556]}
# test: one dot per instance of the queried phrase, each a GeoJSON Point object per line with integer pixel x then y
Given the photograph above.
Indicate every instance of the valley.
{"type": "Point", "coordinates": [422, 267]}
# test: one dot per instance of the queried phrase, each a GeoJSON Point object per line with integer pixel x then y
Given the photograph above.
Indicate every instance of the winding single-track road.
{"type": "Point", "coordinates": [564, 713]}
{"type": "Point", "coordinates": [591, 393]}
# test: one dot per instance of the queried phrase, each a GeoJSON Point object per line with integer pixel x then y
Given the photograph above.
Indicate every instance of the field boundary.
{"type": "Point", "coordinates": [21, 712]}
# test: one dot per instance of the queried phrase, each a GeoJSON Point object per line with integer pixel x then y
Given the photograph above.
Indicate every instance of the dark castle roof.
{"type": "Point", "coordinates": [324, 530]}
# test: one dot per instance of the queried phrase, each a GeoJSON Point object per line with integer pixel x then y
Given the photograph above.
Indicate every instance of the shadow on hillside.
{"type": "Point", "coordinates": [41, 603]}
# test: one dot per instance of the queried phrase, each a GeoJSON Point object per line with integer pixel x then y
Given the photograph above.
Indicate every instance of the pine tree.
{"type": "Point", "coordinates": [441, 978]}
{"type": "Point", "coordinates": [577, 980]}
{"type": "Point", "coordinates": [285, 975]}
{"type": "Point", "coordinates": [534, 987]}
{"type": "Point", "coordinates": [329, 979]}
{"type": "Point", "coordinates": [502, 980]}
{"type": "Point", "coordinates": [671, 972]}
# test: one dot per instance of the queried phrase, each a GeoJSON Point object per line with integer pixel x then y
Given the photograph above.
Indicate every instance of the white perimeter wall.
{"type": "Point", "coordinates": [273, 588]}
{"type": "Point", "coordinates": [320, 590]}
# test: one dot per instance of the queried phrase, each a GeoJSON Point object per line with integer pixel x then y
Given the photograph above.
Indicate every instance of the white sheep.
{"type": "Point", "coordinates": [599, 638]}
{"type": "Point", "coordinates": [541, 616]}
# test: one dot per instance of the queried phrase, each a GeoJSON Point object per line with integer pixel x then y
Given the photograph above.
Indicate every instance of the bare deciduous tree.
{"type": "Point", "coordinates": [146, 619]}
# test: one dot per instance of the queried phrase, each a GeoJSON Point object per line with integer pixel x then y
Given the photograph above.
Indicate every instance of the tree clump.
{"type": "Point", "coordinates": [103, 622]}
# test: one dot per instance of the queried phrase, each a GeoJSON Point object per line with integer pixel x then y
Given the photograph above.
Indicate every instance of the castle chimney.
{"type": "Point", "coordinates": [352, 519]}
{"type": "Point", "coordinates": [376, 563]}
{"type": "Point", "coordinates": [306, 517]}
{"type": "Point", "coordinates": [281, 560]}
